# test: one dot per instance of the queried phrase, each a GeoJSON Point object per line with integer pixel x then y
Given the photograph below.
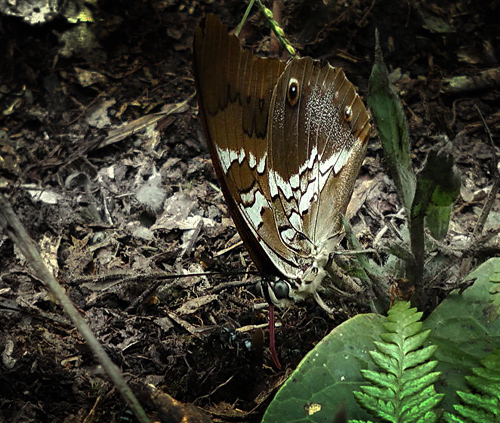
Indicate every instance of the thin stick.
{"type": "Point", "coordinates": [488, 204]}
{"type": "Point", "coordinates": [17, 233]}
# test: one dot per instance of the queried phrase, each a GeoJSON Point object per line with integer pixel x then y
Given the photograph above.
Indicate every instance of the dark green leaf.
{"type": "Point", "coordinates": [329, 374]}
{"type": "Point", "coordinates": [438, 186]}
{"type": "Point", "coordinates": [392, 128]}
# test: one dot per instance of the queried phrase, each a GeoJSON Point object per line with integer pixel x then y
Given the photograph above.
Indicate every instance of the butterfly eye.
{"type": "Point", "coordinates": [348, 113]}
{"type": "Point", "coordinates": [281, 290]}
{"type": "Point", "coordinates": [292, 94]}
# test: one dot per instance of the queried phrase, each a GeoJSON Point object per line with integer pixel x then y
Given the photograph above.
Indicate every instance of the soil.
{"type": "Point", "coordinates": [103, 159]}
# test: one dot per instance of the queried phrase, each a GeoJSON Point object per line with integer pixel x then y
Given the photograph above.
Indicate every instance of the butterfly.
{"type": "Point", "coordinates": [287, 140]}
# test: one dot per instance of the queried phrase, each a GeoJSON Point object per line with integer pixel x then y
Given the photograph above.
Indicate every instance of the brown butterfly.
{"type": "Point", "coordinates": [287, 141]}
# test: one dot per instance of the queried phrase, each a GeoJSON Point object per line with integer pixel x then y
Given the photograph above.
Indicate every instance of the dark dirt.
{"type": "Point", "coordinates": [114, 209]}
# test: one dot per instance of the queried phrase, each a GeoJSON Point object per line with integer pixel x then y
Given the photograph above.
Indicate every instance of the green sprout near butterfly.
{"type": "Point", "coordinates": [427, 196]}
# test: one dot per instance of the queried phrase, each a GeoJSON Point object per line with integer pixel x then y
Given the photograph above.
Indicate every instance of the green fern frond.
{"type": "Point", "coordinates": [404, 389]}
{"type": "Point", "coordinates": [482, 406]}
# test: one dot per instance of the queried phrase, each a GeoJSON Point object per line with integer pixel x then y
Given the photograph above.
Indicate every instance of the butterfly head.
{"type": "Point", "coordinates": [275, 291]}
{"type": "Point", "coordinates": [282, 292]}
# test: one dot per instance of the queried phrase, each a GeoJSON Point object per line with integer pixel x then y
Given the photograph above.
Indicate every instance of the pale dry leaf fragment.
{"type": "Point", "coordinates": [98, 117]}
{"type": "Point", "coordinates": [359, 197]}
{"type": "Point", "coordinates": [193, 330]}
{"type": "Point", "coordinates": [7, 355]}
{"type": "Point", "coordinates": [165, 323]}
{"type": "Point", "coordinates": [44, 195]}
{"type": "Point", "coordinates": [192, 306]}
{"type": "Point", "coordinates": [86, 78]}
{"type": "Point", "coordinates": [49, 246]}
{"type": "Point", "coordinates": [124, 130]}
{"type": "Point", "coordinates": [177, 210]}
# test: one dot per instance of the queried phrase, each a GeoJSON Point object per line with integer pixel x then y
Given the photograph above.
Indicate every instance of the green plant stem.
{"type": "Point", "coordinates": [244, 19]}
{"type": "Point", "coordinates": [17, 233]}
{"type": "Point", "coordinates": [415, 264]}
{"type": "Point", "coordinates": [280, 34]}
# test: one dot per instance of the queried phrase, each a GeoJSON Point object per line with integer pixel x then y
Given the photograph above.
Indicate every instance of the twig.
{"type": "Point", "coordinates": [17, 233]}
{"type": "Point", "coordinates": [488, 204]}
{"type": "Point", "coordinates": [488, 79]}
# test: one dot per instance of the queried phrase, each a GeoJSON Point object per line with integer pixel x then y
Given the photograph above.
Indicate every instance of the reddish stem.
{"type": "Point", "coordinates": [272, 343]}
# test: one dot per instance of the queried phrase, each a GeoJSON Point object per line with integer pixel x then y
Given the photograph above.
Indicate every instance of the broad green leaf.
{"type": "Point", "coordinates": [464, 331]}
{"type": "Point", "coordinates": [328, 375]}
{"type": "Point", "coordinates": [392, 128]}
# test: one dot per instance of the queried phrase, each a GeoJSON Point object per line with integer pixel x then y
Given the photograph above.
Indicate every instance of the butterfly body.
{"type": "Point", "coordinates": [287, 141]}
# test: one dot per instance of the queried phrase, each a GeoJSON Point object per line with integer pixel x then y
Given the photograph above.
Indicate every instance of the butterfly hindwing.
{"type": "Point", "coordinates": [287, 142]}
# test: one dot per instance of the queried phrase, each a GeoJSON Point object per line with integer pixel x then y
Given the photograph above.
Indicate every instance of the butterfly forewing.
{"type": "Point", "coordinates": [234, 92]}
